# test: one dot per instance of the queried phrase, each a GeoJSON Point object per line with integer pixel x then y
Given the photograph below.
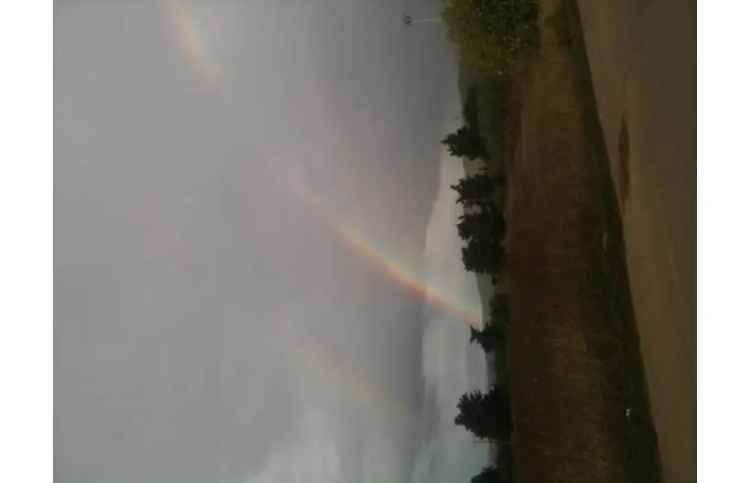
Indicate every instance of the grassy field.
{"type": "Point", "coordinates": [579, 403]}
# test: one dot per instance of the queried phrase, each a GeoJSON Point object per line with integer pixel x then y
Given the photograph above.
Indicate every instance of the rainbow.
{"type": "Point", "coordinates": [190, 41]}
{"type": "Point", "coordinates": [309, 351]}
{"type": "Point", "coordinates": [188, 38]}
{"type": "Point", "coordinates": [397, 270]}
{"type": "Point", "coordinates": [404, 277]}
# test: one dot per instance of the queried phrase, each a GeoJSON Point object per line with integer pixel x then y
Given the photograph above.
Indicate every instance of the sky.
{"type": "Point", "coordinates": [257, 276]}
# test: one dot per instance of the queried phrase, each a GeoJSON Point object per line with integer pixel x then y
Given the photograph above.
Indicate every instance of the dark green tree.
{"type": "Point", "coordinates": [483, 257]}
{"type": "Point", "coordinates": [492, 474]}
{"type": "Point", "coordinates": [471, 108]}
{"type": "Point", "coordinates": [466, 143]}
{"type": "Point", "coordinates": [477, 189]}
{"type": "Point", "coordinates": [488, 338]}
{"type": "Point", "coordinates": [499, 309]}
{"type": "Point", "coordinates": [486, 415]}
{"type": "Point", "coordinates": [487, 225]}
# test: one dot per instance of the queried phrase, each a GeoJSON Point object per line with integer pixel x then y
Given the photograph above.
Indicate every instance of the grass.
{"type": "Point", "coordinates": [574, 357]}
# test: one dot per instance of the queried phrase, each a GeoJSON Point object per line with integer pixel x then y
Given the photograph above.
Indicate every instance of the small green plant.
{"type": "Point", "coordinates": [493, 34]}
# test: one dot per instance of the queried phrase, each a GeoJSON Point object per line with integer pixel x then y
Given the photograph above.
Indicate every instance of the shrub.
{"type": "Point", "coordinates": [492, 34]}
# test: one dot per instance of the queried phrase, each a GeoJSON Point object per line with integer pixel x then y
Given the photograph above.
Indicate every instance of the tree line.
{"type": "Point", "coordinates": [482, 228]}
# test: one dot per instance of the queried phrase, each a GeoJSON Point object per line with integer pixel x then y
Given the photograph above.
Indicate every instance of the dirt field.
{"type": "Point", "coordinates": [642, 55]}
{"type": "Point", "coordinates": [580, 406]}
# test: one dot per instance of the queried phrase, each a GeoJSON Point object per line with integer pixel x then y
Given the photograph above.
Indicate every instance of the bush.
{"type": "Point", "coordinates": [493, 34]}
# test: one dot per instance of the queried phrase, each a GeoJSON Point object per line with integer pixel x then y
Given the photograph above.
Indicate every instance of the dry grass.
{"type": "Point", "coordinates": [573, 354]}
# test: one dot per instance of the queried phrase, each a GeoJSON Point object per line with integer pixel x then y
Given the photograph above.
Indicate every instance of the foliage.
{"type": "Point", "coordinates": [487, 224]}
{"type": "Point", "coordinates": [466, 143]}
{"type": "Point", "coordinates": [486, 415]}
{"type": "Point", "coordinates": [499, 309]}
{"type": "Point", "coordinates": [471, 108]}
{"type": "Point", "coordinates": [476, 189]}
{"type": "Point", "coordinates": [483, 257]}
{"type": "Point", "coordinates": [494, 119]}
{"type": "Point", "coordinates": [493, 474]}
{"type": "Point", "coordinates": [493, 34]}
{"type": "Point", "coordinates": [488, 338]}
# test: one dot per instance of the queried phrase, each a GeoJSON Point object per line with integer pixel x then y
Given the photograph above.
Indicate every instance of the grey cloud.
{"type": "Point", "coordinates": [201, 309]}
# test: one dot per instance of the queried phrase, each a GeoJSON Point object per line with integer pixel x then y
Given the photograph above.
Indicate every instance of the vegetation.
{"type": "Point", "coordinates": [484, 225]}
{"type": "Point", "coordinates": [579, 340]}
{"type": "Point", "coordinates": [492, 35]}
{"type": "Point", "coordinates": [483, 257]}
{"type": "Point", "coordinates": [499, 309]}
{"type": "Point", "coordinates": [494, 119]}
{"type": "Point", "coordinates": [466, 143]}
{"type": "Point", "coordinates": [493, 474]}
{"type": "Point", "coordinates": [471, 108]}
{"type": "Point", "coordinates": [486, 415]}
{"type": "Point", "coordinates": [477, 190]}
{"type": "Point", "coordinates": [488, 337]}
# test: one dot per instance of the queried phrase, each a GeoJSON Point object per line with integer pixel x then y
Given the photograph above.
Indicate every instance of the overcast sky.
{"type": "Point", "coordinates": [214, 319]}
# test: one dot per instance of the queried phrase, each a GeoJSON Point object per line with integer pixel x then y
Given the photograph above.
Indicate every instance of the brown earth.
{"type": "Point", "coordinates": [642, 55]}
{"type": "Point", "coordinates": [580, 405]}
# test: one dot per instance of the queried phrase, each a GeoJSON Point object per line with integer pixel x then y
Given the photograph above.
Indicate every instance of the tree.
{"type": "Point", "coordinates": [486, 415]}
{"type": "Point", "coordinates": [466, 143]}
{"type": "Point", "coordinates": [484, 225]}
{"type": "Point", "coordinates": [483, 257]}
{"type": "Point", "coordinates": [471, 108]}
{"type": "Point", "coordinates": [492, 34]}
{"type": "Point", "coordinates": [488, 338]}
{"type": "Point", "coordinates": [477, 189]}
{"type": "Point", "coordinates": [493, 474]}
{"type": "Point", "coordinates": [499, 309]}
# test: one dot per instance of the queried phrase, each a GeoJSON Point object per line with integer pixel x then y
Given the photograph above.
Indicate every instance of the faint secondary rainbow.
{"type": "Point", "coordinates": [197, 55]}
{"type": "Point", "coordinates": [360, 387]}
{"type": "Point", "coordinates": [312, 354]}
{"type": "Point", "coordinates": [190, 41]}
